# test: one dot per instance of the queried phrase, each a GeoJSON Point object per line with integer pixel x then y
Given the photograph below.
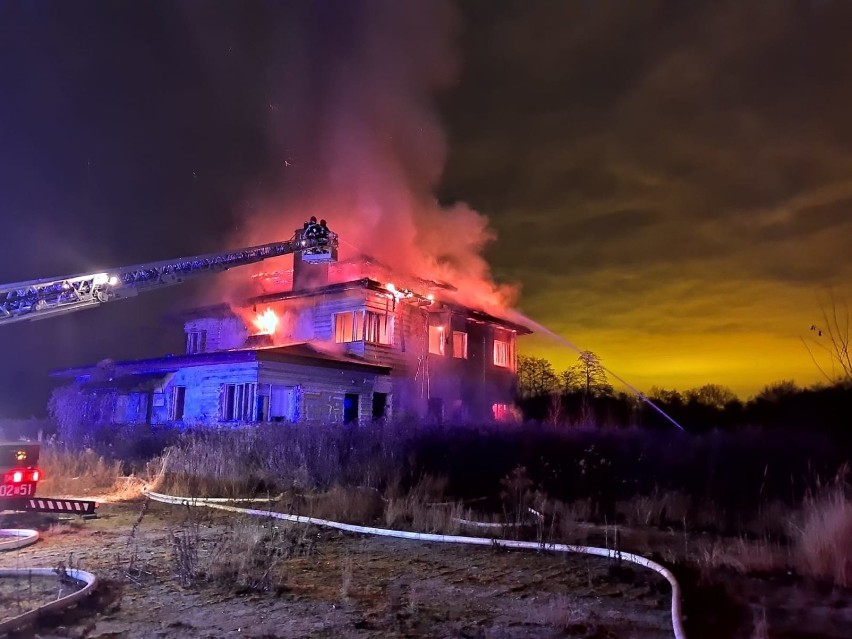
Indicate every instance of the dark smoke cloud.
{"type": "Point", "coordinates": [356, 138]}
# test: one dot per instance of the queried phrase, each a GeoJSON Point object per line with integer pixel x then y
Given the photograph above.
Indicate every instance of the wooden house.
{"type": "Point", "coordinates": [329, 348]}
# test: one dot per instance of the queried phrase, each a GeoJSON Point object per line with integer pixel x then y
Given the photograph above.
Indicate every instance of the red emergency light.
{"type": "Point", "coordinates": [22, 476]}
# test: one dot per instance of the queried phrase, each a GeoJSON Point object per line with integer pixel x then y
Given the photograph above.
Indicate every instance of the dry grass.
{"type": "Point", "coordinates": [742, 555]}
{"type": "Point", "coordinates": [341, 475]}
{"type": "Point", "coordinates": [197, 468]}
{"type": "Point", "coordinates": [656, 509]}
{"type": "Point", "coordinates": [564, 522]}
{"type": "Point", "coordinates": [562, 613]}
{"type": "Point", "coordinates": [63, 528]}
{"type": "Point", "coordinates": [72, 472]}
{"type": "Point", "coordinates": [413, 513]}
{"type": "Point", "coordinates": [352, 505]}
{"type": "Point", "coordinates": [279, 458]}
{"type": "Point", "coordinates": [824, 540]}
{"type": "Point", "coordinates": [424, 508]}
{"type": "Point", "coordinates": [772, 519]}
{"type": "Point", "coordinates": [346, 577]}
{"type": "Point", "coordinates": [249, 555]}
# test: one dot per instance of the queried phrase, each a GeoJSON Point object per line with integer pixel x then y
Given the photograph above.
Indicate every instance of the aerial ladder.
{"type": "Point", "coordinates": [40, 299]}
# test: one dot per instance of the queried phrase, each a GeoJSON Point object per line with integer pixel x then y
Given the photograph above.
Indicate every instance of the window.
{"type": "Point", "coordinates": [369, 326]}
{"type": "Point", "coordinates": [282, 404]}
{"type": "Point", "coordinates": [348, 327]}
{"type": "Point", "coordinates": [377, 328]}
{"type": "Point", "coordinates": [380, 406]}
{"type": "Point", "coordinates": [436, 340]}
{"type": "Point", "coordinates": [502, 354]}
{"type": "Point", "coordinates": [460, 344]}
{"type": "Point", "coordinates": [196, 342]}
{"type": "Point", "coordinates": [261, 408]}
{"type": "Point", "coordinates": [238, 402]}
{"type": "Point", "coordinates": [176, 407]}
{"type": "Point", "coordinates": [122, 403]}
{"type": "Point", "coordinates": [504, 413]}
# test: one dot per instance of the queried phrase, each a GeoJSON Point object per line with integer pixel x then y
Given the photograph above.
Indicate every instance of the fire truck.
{"type": "Point", "coordinates": [20, 476]}
{"type": "Point", "coordinates": [40, 299]}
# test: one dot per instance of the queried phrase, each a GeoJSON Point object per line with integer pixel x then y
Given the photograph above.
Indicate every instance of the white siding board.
{"type": "Point", "coordinates": [203, 384]}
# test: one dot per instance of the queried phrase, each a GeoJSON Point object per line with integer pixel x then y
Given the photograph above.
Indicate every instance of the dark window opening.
{"type": "Point", "coordinates": [261, 409]}
{"type": "Point", "coordinates": [237, 403]}
{"type": "Point", "coordinates": [380, 405]}
{"type": "Point", "coordinates": [178, 403]}
{"type": "Point", "coordinates": [196, 342]}
{"type": "Point", "coordinates": [350, 408]}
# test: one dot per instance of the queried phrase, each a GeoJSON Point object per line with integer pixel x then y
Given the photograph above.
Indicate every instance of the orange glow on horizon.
{"type": "Point", "coordinates": [745, 363]}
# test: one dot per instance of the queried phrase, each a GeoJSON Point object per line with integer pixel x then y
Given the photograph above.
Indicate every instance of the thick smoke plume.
{"type": "Point", "coordinates": [357, 141]}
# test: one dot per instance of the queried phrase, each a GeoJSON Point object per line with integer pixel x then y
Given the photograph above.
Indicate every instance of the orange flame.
{"type": "Point", "coordinates": [266, 322]}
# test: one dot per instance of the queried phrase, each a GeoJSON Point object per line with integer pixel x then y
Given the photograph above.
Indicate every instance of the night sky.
{"type": "Point", "coordinates": [668, 183]}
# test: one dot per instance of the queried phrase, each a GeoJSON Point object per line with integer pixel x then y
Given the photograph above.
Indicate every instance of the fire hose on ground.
{"type": "Point", "coordinates": [15, 538]}
{"type": "Point", "coordinates": [88, 579]}
{"type": "Point", "coordinates": [217, 503]}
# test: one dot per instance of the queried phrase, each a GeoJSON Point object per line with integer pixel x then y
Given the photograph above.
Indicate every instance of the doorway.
{"type": "Point", "coordinates": [380, 405]}
{"type": "Point", "coordinates": [350, 408]}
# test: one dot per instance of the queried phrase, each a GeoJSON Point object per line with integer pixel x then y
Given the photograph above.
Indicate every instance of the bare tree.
{"type": "Point", "coordinates": [591, 375]}
{"type": "Point", "coordinates": [712, 395]}
{"type": "Point", "coordinates": [666, 396]}
{"type": "Point", "coordinates": [831, 337]}
{"type": "Point", "coordinates": [777, 391]}
{"type": "Point", "coordinates": [569, 381]}
{"type": "Point", "coordinates": [535, 377]}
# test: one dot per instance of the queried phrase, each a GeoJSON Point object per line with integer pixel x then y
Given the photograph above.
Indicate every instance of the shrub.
{"type": "Point", "coordinates": [250, 555]}
{"type": "Point", "coordinates": [824, 541]}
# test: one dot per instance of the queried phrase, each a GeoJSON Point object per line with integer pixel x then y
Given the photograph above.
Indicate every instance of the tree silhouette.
{"type": "Point", "coordinates": [713, 395]}
{"type": "Point", "coordinates": [591, 376]}
{"type": "Point", "coordinates": [777, 391]}
{"type": "Point", "coordinates": [536, 377]}
{"type": "Point", "coordinates": [832, 336]}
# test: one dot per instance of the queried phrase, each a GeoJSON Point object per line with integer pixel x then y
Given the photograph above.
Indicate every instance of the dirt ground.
{"type": "Point", "coordinates": [348, 587]}
{"type": "Point", "coordinates": [351, 586]}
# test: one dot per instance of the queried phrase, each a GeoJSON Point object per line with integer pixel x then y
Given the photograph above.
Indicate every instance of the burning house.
{"type": "Point", "coordinates": [324, 342]}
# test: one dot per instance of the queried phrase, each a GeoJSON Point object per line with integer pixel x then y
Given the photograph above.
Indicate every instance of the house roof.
{"type": "Point", "coordinates": [223, 310]}
{"type": "Point", "coordinates": [133, 383]}
{"type": "Point", "coordinates": [355, 268]}
{"type": "Point", "coordinates": [303, 353]}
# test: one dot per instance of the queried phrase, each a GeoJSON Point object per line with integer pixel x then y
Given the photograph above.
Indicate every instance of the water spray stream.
{"type": "Point", "coordinates": [522, 319]}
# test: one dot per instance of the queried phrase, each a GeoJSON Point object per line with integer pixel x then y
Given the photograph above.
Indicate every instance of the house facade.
{"type": "Point", "coordinates": [349, 351]}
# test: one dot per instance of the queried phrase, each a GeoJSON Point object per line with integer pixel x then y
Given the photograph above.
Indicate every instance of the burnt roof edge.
{"type": "Point", "coordinates": [340, 287]}
{"type": "Point", "coordinates": [172, 363]}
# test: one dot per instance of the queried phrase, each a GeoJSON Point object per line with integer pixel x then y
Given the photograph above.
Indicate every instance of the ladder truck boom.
{"type": "Point", "coordinates": [39, 299]}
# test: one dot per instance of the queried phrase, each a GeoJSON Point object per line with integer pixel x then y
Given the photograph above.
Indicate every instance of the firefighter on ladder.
{"type": "Point", "coordinates": [323, 233]}
{"type": "Point", "coordinates": [311, 232]}
{"type": "Point", "coordinates": [318, 232]}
